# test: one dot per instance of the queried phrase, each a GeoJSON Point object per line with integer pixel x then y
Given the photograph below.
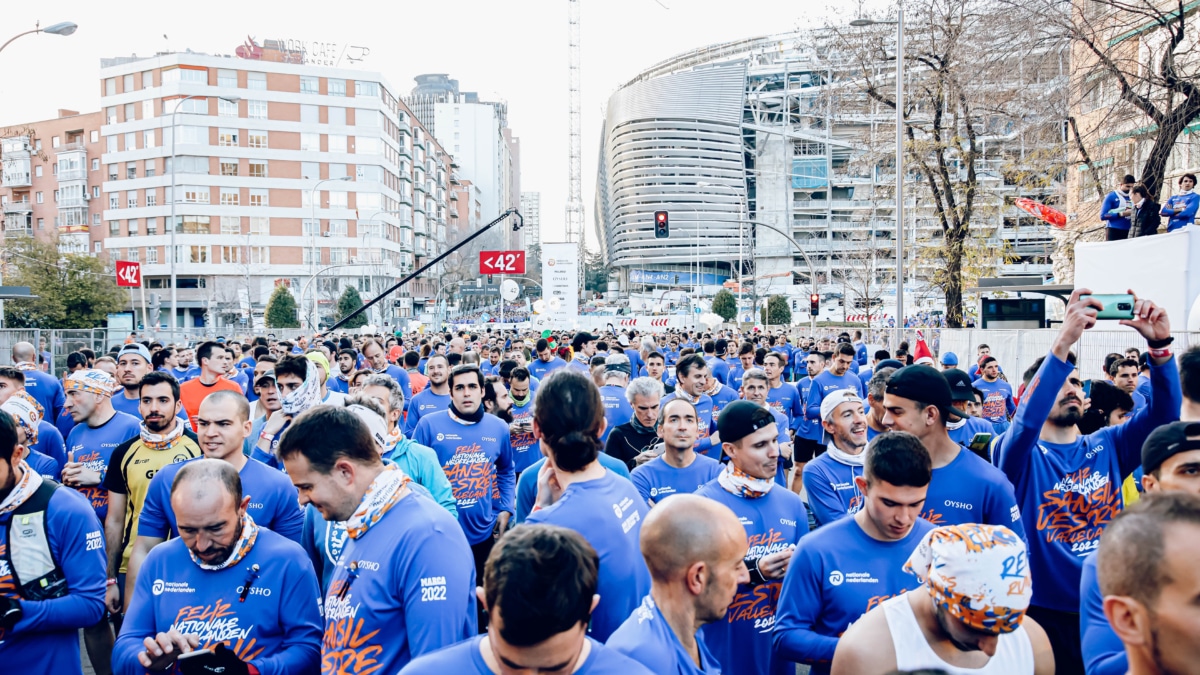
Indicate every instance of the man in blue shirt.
{"type": "Point", "coordinates": [539, 587]}
{"type": "Point", "coordinates": [133, 362]}
{"type": "Point", "coordinates": [346, 361]}
{"type": "Point", "coordinates": [829, 480]}
{"type": "Point", "coordinates": [404, 584]}
{"type": "Point", "coordinates": [679, 469]}
{"type": "Point", "coordinates": [998, 405]}
{"type": "Point", "coordinates": [546, 361]}
{"type": "Point", "coordinates": [225, 584]}
{"type": "Point", "coordinates": [40, 616]}
{"type": "Point", "coordinates": [692, 375]}
{"type": "Point", "coordinates": [694, 548]}
{"type": "Point", "coordinates": [774, 519]}
{"type": "Point", "coordinates": [576, 491]}
{"type": "Point", "coordinates": [716, 362]}
{"type": "Point", "coordinates": [435, 397]}
{"type": "Point", "coordinates": [1051, 464]}
{"type": "Point", "coordinates": [964, 488]}
{"type": "Point", "coordinates": [520, 431]}
{"type": "Point", "coordinates": [844, 569]}
{"type": "Point", "coordinates": [617, 410]}
{"type": "Point", "coordinates": [1117, 208]}
{"type": "Point", "coordinates": [43, 387]}
{"type": "Point", "coordinates": [745, 362]}
{"type": "Point", "coordinates": [584, 348]}
{"type": "Point", "coordinates": [377, 357]}
{"type": "Point", "coordinates": [837, 376]}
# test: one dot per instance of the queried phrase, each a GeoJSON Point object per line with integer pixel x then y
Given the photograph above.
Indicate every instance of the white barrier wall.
{"type": "Point", "coordinates": [1163, 267]}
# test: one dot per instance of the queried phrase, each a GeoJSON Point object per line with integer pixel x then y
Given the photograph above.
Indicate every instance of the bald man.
{"type": "Point", "coordinates": [694, 548]}
{"type": "Point", "coordinates": [224, 584]}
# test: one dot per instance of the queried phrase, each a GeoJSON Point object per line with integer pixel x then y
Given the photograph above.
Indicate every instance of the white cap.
{"type": "Point", "coordinates": [374, 424]}
{"type": "Point", "coordinates": [833, 400]}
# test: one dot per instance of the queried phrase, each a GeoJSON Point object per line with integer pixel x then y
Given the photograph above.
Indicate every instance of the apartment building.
{"type": "Point", "coordinates": [242, 174]}
{"type": "Point", "coordinates": [52, 180]}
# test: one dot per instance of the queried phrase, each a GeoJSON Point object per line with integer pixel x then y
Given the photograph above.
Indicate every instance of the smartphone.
{"type": "Point", "coordinates": [1115, 306]}
{"type": "Point", "coordinates": [979, 443]}
{"type": "Point", "coordinates": [195, 662]}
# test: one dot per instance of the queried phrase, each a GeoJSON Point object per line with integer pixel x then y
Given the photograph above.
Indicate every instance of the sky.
{"type": "Point", "coordinates": [512, 50]}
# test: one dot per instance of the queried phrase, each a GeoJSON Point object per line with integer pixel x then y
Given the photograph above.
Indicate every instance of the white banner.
{"type": "Point", "coordinates": [560, 283]}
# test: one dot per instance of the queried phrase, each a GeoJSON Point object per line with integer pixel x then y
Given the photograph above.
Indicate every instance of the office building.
{"type": "Point", "coordinates": [531, 210]}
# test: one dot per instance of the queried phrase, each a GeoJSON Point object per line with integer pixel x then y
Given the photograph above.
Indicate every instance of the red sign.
{"type": "Point", "coordinates": [502, 262]}
{"type": "Point", "coordinates": [129, 273]}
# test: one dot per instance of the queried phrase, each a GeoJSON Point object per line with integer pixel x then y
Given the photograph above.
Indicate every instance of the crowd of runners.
{"type": "Point", "coordinates": [488, 501]}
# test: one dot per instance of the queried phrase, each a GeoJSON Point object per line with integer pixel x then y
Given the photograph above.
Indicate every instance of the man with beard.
{"type": "Point", "coordinates": [223, 571]}
{"type": "Point", "coordinates": [346, 360]}
{"type": "Point", "coordinates": [496, 400]}
{"type": "Point", "coordinates": [53, 583]}
{"type": "Point", "coordinates": [830, 480]}
{"type": "Point", "coordinates": [774, 520]}
{"type": "Point", "coordinates": [133, 363]}
{"type": "Point", "coordinates": [1050, 464]}
{"type": "Point", "coordinates": [694, 548]}
{"type": "Point", "coordinates": [435, 397]}
{"type": "Point", "coordinates": [978, 579]}
{"type": "Point", "coordinates": [520, 430]}
{"type": "Point", "coordinates": [223, 425]}
{"type": "Point", "coordinates": [679, 469]}
{"type": "Point", "coordinates": [162, 440]}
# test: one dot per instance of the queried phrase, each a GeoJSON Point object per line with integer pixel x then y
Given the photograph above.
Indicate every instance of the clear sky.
{"type": "Point", "coordinates": [515, 50]}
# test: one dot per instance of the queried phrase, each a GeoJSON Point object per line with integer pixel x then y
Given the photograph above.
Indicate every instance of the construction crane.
{"type": "Point", "coordinates": [574, 179]}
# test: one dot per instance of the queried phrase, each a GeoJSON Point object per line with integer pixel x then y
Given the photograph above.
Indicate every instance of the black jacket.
{"type": "Point", "coordinates": [626, 443]}
{"type": "Point", "coordinates": [1145, 220]}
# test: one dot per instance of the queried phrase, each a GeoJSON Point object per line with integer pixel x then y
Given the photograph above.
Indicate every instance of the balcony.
{"type": "Point", "coordinates": [71, 202]}
{"type": "Point", "coordinates": [25, 206]}
{"type": "Point", "coordinates": [16, 179]}
{"type": "Point", "coordinates": [65, 175]}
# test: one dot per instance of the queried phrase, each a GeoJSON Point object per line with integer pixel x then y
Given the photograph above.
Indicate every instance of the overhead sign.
{"type": "Point", "coordinates": [129, 273]}
{"type": "Point", "coordinates": [665, 278]}
{"type": "Point", "coordinates": [306, 52]}
{"type": "Point", "coordinates": [478, 290]}
{"type": "Point", "coordinates": [560, 283]}
{"type": "Point", "coordinates": [502, 262]}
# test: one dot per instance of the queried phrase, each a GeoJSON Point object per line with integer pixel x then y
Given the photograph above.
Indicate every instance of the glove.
{"type": "Point", "coordinates": [10, 612]}
{"type": "Point", "coordinates": [220, 660]}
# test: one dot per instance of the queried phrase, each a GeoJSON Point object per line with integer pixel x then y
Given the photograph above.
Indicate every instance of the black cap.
{"type": "Point", "coordinates": [742, 418]}
{"type": "Point", "coordinates": [582, 338]}
{"type": "Point", "coordinates": [888, 363]}
{"type": "Point", "coordinates": [925, 384]}
{"type": "Point", "coordinates": [1166, 442]}
{"type": "Point", "coordinates": [961, 388]}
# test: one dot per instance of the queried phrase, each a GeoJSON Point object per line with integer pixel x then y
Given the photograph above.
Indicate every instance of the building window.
{"type": "Point", "coordinates": [310, 170]}
{"type": "Point", "coordinates": [366, 89]}
{"type": "Point", "coordinates": [189, 135]}
{"type": "Point", "coordinates": [147, 108]}
{"type": "Point", "coordinates": [128, 84]}
{"type": "Point", "coordinates": [368, 146]}
{"type": "Point", "coordinates": [133, 254]}
{"type": "Point", "coordinates": [185, 75]}
{"type": "Point", "coordinates": [227, 108]}
{"type": "Point", "coordinates": [114, 228]}
{"type": "Point", "coordinates": [256, 139]}
{"type": "Point", "coordinates": [227, 138]}
{"type": "Point", "coordinates": [54, 142]}
{"type": "Point", "coordinates": [131, 199]}
{"type": "Point", "coordinates": [95, 164]}
{"type": "Point", "coordinates": [98, 248]}
{"type": "Point", "coordinates": [148, 138]}
{"type": "Point", "coordinates": [41, 223]}
{"type": "Point", "coordinates": [40, 198]}
{"type": "Point", "coordinates": [336, 87]}
{"type": "Point", "coordinates": [191, 254]}
{"type": "Point", "coordinates": [151, 197]}
{"type": "Point", "coordinates": [227, 78]}
{"type": "Point", "coordinates": [112, 171]}
{"type": "Point", "coordinates": [130, 170]}
{"type": "Point", "coordinates": [147, 79]}
{"type": "Point", "coordinates": [110, 143]}
{"type": "Point", "coordinates": [229, 167]}
{"type": "Point", "coordinates": [195, 194]}
{"type": "Point", "coordinates": [260, 226]}
{"type": "Point", "coordinates": [337, 171]}
{"type": "Point", "coordinates": [132, 225]}
{"type": "Point", "coordinates": [310, 114]}
{"type": "Point", "coordinates": [229, 197]}
{"type": "Point", "coordinates": [310, 142]}
{"type": "Point", "coordinates": [337, 116]}
{"type": "Point", "coordinates": [258, 198]}
{"type": "Point", "coordinates": [231, 225]}
{"type": "Point", "coordinates": [96, 219]}
{"type": "Point", "coordinates": [37, 171]}
{"type": "Point", "coordinates": [311, 228]}
{"type": "Point", "coordinates": [152, 255]}
{"type": "Point", "coordinates": [256, 110]}
{"type": "Point", "coordinates": [258, 169]}
{"type": "Point", "coordinates": [369, 119]}
{"type": "Point", "coordinates": [192, 224]}
{"type": "Point", "coordinates": [258, 255]}
{"type": "Point", "coordinates": [337, 228]}
{"type": "Point", "coordinates": [130, 112]}
{"type": "Point", "coordinates": [229, 254]}
{"type": "Point", "coordinates": [151, 172]}
{"type": "Point", "coordinates": [114, 200]}
{"type": "Point", "coordinates": [95, 191]}
{"type": "Point", "coordinates": [310, 85]}
{"type": "Point", "coordinates": [110, 86]}
{"type": "Point", "coordinates": [338, 200]}
{"type": "Point", "coordinates": [152, 226]}
{"type": "Point", "coordinates": [337, 143]}
{"type": "Point", "coordinates": [256, 81]}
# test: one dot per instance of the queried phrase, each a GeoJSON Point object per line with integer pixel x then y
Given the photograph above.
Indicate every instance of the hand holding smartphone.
{"type": "Point", "coordinates": [1116, 306]}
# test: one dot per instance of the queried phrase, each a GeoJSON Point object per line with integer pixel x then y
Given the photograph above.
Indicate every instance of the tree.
{"type": "Point", "coordinates": [779, 311]}
{"type": "Point", "coordinates": [346, 304]}
{"type": "Point", "coordinates": [595, 272]}
{"type": "Point", "coordinates": [724, 305]}
{"type": "Point", "coordinates": [281, 309]}
{"type": "Point", "coordinates": [972, 74]}
{"type": "Point", "coordinates": [73, 290]}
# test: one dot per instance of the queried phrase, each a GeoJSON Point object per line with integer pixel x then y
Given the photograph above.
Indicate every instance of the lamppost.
{"type": "Point", "coordinates": [899, 23]}
{"type": "Point", "coordinates": [175, 199]}
{"type": "Point", "coordinates": [313, 277]}
{"type": "Point", "coordinates": [314, 251]}
{"type": "Point", "coordinates": [61, 28]}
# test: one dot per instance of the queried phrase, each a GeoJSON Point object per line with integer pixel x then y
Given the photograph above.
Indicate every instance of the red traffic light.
{"type": "Point", "coordinates": [814, 298]}
{"type": "Point", "coordinates": [662, 216]}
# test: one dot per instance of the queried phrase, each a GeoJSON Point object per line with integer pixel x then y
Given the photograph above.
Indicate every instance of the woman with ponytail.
{"type": "Point", "coordinates": [575, 491]}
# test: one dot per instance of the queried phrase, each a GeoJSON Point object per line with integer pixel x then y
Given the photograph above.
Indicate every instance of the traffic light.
{"type": "Point", "coordinates": [662, 225]}
{"type": "Point", "coordinates": [814, 304]}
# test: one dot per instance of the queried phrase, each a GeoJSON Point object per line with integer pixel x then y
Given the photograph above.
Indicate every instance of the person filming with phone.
{"type": "Point", "coordinates": [1051, 463]}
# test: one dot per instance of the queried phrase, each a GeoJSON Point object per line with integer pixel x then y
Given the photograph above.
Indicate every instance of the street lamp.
{"type": "Point", "coordinates": [313, 319]}
{"type": "Point", "coordinates": [61, 28]}
{"type": "Point", "coordinates": [175, 198]}
{"type": "Point", "coordinates": [899, 23]}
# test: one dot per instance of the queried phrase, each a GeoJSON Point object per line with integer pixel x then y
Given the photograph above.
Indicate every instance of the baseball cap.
{"type": "Point", "coordinates": [833, 400]}
{"type": "Point", "coordinates": [742, 418]}
{"type": "Point", "coordinates": [961, 388]}
{"type": "Point", "coordinates": [925, 384]}
{"type": "Point", "coordinates": [265, 377]}
{"type": "Point", "coordinates": [374, 423]}
{"type": "Point", "coordinates": [889, 363]}
{"type": "Point", "coordinates": [135, 348]}
{"type": "Point", "coordinates": [1167, 441]}
{"type": "Point", "coordinates": [949, 359]}
{"type": "Point", "coordinates": [582, 338]}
